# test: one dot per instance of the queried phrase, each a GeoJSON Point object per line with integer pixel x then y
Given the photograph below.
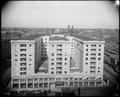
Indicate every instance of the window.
{"type": "Point", "coordinates": [86, 54]}
{"type": "Point", "coordinates": [30, 59]}
{"type": "Point", "coordinates": [59, 59]}
{"type": "Point", "coordinates": [23, 45]}
{"type": "Point", "coordinates": [16, 60]}
{"type": "Point", "coordinates": [75, 78]}
{"type": "Point", "coordinates": [22, 49]}
{"type": "Point", "coordinates": [23, 64]}
{"type": "Point", "coordinates": [45, 79]}
{"type": "Point", "coordinates": [86, 63]}
{"type": "Point", "coordinates": [52, 68]}
{"type": "Point", "coordinates": [36, 85]}
{"type": "Point", "coordinates": [52, 54]}
{"type": "Point", "coordinates": [30, 55]}
{"type": "Point", "coordinates": [16, 55]}
{"type": "Point", "coordinates": [23, 68]}
{"type": "Point", "coordinates": [15, 80]}
{"type": "Point", "coordinates": [59, 49]}
{"type": "Point", "coordinates": [92, 71]}
{"type": "Point", "coordinates": [99, 45]}
{"type": "Point", "coordinates": [86, 49]}
{"type": "Point", "coordinates": [99, 49]}
{"type": "Point", "coordinates": [86, 58]}
{"type": "Point", "coordinates": [65, 63]}
{"type": "Point", "coordinates": [59, 72]}
{"type": "Point", "coordinates": [22, 59]}
{"type": "Point", "coordinates": [59, 63]}
{"type": "Point", "coordinates": [65, 58]}
{"type": "Point", "coordinates": [22, 73]}
{"type": "Point", "coordinates": [93, 45]}
{"type": "Point", "coordinates": [98, 71]}
{"type": "Point", "coordinates": [92, 78]}
{"type": "Point", "coordinates": [59, 45]}
{"type": "Point", "coordinates": [87, 45]}
{"type": "Point", "coordinates": [98, 67]}
{"type": "Point", "coordinates": [40, 79]}
{"type": "Point", "coordinates": [92, 67]}
{"type": "Point", "coordinates": [52, 59]}
{"type": "Point", "coordinates": [30, 85]}
{"type": "Point", "coordinates": [15, 86]}
{"type": "Point", "coordinates": [93, 54]}
{"type": "Point", "coordinates": [92, 63]}
{"type": "Point", "coordinates": [99, 54]}
{"type": "Point", "coordinates": [58, 68]}
{"type": "Point", "coordinates": [52, 45]}
{"type": "Point", "coordinates": [52, 72]}
{"type": "Point", "coordinates": [52, 63]}
{"type": "Point", "coordinates": [22, 54]}
{"type": "Point", "coordinates": [30, 45]}
{"type": "Point", "coordinates": [93, 49]}
{"type": "Point", "coordinates": [99, 58]}
{"type": "Point", "coordinates": [59, 54]}
{"type": "Point", "coordinates": [93, 58]}
{"type": "Point", "coordinates": [65, 78]}
{"type": "Point", "coordinates": [65, 72]}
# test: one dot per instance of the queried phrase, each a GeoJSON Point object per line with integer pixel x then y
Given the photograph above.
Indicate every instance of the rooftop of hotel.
{"type": "Point", "coordinates": [58, 38]}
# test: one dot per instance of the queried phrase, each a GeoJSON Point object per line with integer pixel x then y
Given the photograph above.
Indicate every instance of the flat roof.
{"type": "Point", "coordinates": [58, 38]}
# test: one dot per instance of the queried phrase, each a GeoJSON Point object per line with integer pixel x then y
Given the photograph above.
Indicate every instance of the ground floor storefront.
{"type": "Point", "coordinates": [45, 83]}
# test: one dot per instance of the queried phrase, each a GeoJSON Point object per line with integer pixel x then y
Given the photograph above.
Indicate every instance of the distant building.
{"type": "Point", "coordinates": [111, 59]}
{"type": "Point", "coordinates": [59, 60]}
{"type": "Point", "coordinates": [5, 49]}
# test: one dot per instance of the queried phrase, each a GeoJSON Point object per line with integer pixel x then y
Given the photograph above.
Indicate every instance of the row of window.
{"type": "Point", "coordinates": [58, 63]}
{"type": "Point", "coordinates": [93, 45]}
{"type": "Point", "coordinates": [23, 68]}
{"type": "Point", "coordinates": [24, 45]}
{"type": "Point", "coordinates": [93, 49]}
{"type": "Point", "coordinates": [23, 59]}
{"type": "Point", "coordinates": [93, 58]}
{"type": "Point", "coordinates": [91, 63]}
{"type": "Point", "coordinates": [58, 45]}
{"type": "Point", "coordinates": [23, 55]}
{"type": "Point", "coordinates": [93, 71]}
{"type": "Point", "coordinates": [22, 73]}
{"type": "Point", "coordinates": [59, 59]}
{"type": "Point", "coordinates": [58, 54]}
{"type": "Point", "coordinates": [46, 85]}
{"type": "Point", "coordinates": [30, 80]}
{"type": "Point", "coordinates": [23, 64]}
{"type": "Point", "coordinates": [58, 72]}
{"type": "Point", "coordinates": [93, 54]}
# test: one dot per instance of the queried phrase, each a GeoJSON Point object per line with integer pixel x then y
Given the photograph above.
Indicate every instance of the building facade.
{"type": "Point", "coordinates": [56, 60]}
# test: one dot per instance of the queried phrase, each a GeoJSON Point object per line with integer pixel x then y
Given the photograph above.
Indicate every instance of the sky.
{"type": "Point", "coordinates": [60, 14]}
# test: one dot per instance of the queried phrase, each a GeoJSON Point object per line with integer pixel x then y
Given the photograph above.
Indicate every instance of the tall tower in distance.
{"type": "Point", "coordinates": [70, 29]}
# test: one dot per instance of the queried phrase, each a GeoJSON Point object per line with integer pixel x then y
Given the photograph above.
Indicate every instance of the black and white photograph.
{"type": "Point", "coordinates": [60, 48]}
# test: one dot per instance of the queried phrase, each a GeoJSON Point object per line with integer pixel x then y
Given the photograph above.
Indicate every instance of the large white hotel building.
{"type": "Point", "coordinates": [56, 60]}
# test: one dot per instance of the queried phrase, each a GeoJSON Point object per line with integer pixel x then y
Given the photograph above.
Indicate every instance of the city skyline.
{"type": "Point", "coordinates": [81, 14]}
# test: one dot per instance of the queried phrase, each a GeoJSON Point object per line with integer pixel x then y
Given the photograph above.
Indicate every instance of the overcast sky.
{"type": "Point", "coordinates": [81, 14]}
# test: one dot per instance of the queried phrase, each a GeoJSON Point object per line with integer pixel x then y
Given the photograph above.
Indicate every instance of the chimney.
{"type": "Point", "coordinates": [68, 27]}
{"type": "Point", "coordinates": [72, 27]}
